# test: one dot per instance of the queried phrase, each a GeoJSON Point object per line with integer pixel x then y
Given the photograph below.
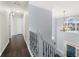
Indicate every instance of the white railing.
{"type": "Point", "coordinates": [39, 47]}
{"type": "Point", "coordinates": [48, 50]}
{"type": "Point", "coordinates": [34, 44]}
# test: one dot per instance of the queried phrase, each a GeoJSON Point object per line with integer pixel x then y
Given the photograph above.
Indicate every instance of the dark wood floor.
{"type": "Point", "coordinates": [16, 48]}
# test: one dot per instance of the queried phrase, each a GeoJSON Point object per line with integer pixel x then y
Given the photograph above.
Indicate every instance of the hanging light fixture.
{"type": "Point", "coordinates": [65, 26]}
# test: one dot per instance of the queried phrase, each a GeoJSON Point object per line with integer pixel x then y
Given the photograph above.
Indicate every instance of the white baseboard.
{"type": "Point", "coordinates": [4, 47]}
{"type": "Point", "coordinates": [30, 51]}
{"type": "Point", "coordinates": [59, 52]}
{"type": "Point", "coordinates": [29, 48]}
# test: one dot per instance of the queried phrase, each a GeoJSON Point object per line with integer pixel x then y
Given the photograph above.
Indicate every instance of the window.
{"type": "Point", "coordinates": [71, 24]}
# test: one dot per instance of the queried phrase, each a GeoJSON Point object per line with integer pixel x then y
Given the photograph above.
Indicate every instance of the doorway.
{"type": "Point", "coordinates": [16, 23]}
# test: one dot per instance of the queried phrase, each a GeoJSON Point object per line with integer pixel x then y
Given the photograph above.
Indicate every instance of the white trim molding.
{"type": "Point", "coordinates": [59, 52]}
{"type": "Point", "coordinates": [4, 48]}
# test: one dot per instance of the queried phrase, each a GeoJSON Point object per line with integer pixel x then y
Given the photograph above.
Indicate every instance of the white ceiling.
{"type": "Point", "coordinates": [58, 7]}
{"type": "Point", "coordinates": [21, 5]}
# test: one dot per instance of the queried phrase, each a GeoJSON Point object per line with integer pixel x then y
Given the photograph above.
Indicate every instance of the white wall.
{"type": "Point", "coordinates": [59, 6]}
{"type": "Point", "coordinates": [62, 36]}
{"type": "Point", "coordinates": [5, 9]}
{"type": "Point", "coordinates": [26, 27]}
{"type": "Point", "coordinates": [40, 20]}
{"type": "Point", "coordinates": [4, 31]}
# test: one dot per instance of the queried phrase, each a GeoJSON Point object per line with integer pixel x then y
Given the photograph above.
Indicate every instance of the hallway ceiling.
{"type": "Point", "coordinates": [15, 4]}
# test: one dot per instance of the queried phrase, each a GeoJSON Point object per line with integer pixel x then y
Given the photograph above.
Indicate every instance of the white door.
{"type": "Point", "coordinates": [16, 24]}
{"type": "Point", "coordinates": [19, 26]}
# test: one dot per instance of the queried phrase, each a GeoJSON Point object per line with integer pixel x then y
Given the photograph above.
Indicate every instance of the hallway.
{"type": "Point", "coordinates": [16, 48]}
